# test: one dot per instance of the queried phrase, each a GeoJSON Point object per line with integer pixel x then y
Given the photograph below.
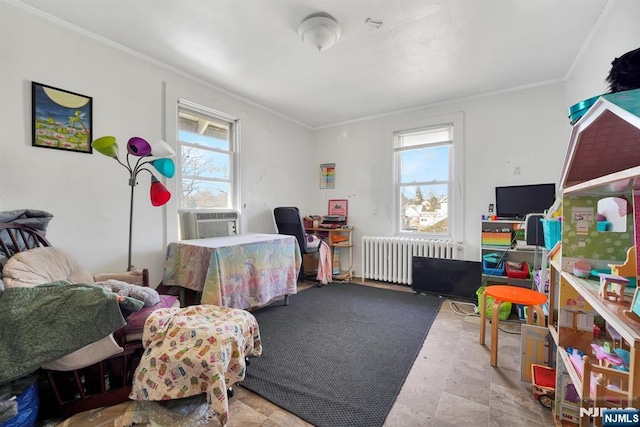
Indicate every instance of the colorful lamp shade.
{"type": "Point", "coordinates": [138, 147]}
{"type": "Point", "coordinates": [165, 167]}
{"type": "Point", "coordinates": [158, 192]}
{"type": "Point", "coordinates": [161, 149]}
{"type": "Point", "coordinates": [106, 145]}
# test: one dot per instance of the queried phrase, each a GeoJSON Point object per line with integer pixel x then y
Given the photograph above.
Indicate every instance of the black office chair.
{"type": "Point", "coordinates": [289, 222]}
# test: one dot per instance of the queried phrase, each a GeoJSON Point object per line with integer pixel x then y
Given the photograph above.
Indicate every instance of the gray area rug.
{"type": "Point", "coordinates": [338, 355]}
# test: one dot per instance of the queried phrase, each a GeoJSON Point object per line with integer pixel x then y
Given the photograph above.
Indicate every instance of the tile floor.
{"type": "Point", "coordinates": [451, 383]}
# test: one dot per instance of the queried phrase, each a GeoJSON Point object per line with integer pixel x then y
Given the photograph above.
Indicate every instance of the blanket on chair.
{"type": "Point", "coordinates": [195, 350]}
{"type": "Point", "coordinates": [45, 322]}
{"type": "Point", "coordinates": [147, 295]}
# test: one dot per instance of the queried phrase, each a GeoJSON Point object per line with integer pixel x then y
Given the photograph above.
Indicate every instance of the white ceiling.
{"type": "Point", "coordinates": [425, 52]}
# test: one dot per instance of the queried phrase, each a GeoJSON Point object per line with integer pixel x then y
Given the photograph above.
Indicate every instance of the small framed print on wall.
{"type": "Point", "coordinates": [61, 119]}
{"type": "Point", "coordinates": [338, 207]}
{"type": "Point", "coordinates": [328, 175]}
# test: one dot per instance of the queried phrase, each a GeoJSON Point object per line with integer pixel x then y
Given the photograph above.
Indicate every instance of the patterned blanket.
{"type": "Point", "coordinates": [195, 350]}
{"type": "Point", "coordinates": [45, 322]}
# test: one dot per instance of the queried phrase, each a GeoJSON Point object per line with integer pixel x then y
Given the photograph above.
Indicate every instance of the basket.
{"type": "Point", "coordinates": [521, 273]}
{"type": "Point", "coordinates": [494, 238]}
{"type": "Point", "coordinates": [552, 230]}
{"type": "Point", "coordinates": [503, 312]}
{"type": "Point", "coordinates": [492, 264]}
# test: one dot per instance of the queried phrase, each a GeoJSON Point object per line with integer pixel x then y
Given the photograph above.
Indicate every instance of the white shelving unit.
{"type": "Point", "coordinates": [532, 255]}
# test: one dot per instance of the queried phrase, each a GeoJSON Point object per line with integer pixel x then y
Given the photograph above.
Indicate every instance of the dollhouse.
{"type": "Point", "coordinates": [600, 185]}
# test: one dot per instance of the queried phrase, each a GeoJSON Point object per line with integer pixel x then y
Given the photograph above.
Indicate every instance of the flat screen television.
{"type": "Point", "coordinates": [517, 201]}
{"type": "Point", "coordinates": [446, 277]}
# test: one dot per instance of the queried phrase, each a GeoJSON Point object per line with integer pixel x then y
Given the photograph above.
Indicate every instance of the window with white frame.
{"type": "Point", "coordinates": [207, 150]}
{"type": "Point", "coordinates": [426, 192]}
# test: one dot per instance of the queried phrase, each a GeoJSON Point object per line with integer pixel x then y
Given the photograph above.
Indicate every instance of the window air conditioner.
{"type": "Point", "coordinates": [201, 225]}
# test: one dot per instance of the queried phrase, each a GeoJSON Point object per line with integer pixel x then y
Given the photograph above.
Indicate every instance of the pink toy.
{"type": "Point", "coordinates": [606, 358]}
{"type": "Point", "coordinates": [582, 268]}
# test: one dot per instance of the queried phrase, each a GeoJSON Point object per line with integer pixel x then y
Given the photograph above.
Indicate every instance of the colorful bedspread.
{"type": "Point", "coordinates": [194, 350]}
{"type": "Point", "coordinates": [244, 271]}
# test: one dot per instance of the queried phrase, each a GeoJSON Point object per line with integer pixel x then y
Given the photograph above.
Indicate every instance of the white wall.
{"type": "Point", "coordinates": [527, 127]}
{"type": "Point", "coordinates": [617, 34]}
{"type": "Point", "coordinates": [88, 194]}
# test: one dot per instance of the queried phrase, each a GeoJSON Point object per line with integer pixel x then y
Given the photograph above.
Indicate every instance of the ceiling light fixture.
{"type": "Point", "coordinates": [319, 30]}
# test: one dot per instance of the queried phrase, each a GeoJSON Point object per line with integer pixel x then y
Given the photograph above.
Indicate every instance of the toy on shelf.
{"type": "Point", "coordinates": [612, 286]}
{"type": "Point", "coordinates": [543, 381]}
{"type": "Point", "coordinates": [615, 336]}
{"type": "Point", "coordinates": [582, 268]}
{"type": "Point", "coordinates": [607, 357]}
{"type": "Point", "coordinates": [628, 269]}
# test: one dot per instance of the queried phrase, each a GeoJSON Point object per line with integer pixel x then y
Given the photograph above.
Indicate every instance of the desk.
{"type": "Point", "coordinates": [337, 239]}
{"type": "Point", "coordinates": [244, 271]}
{"type": "Point", "coordinates": [516, 295]}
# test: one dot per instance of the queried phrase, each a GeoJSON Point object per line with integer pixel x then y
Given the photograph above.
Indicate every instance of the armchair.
{"type": "Point", "coordinates": [101, 372]}
{"type": "Point", "coordinates": [289, 221]}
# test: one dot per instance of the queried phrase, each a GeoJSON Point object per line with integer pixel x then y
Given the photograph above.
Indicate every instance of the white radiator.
{"type": "Point", "coordinates": [388, 259]}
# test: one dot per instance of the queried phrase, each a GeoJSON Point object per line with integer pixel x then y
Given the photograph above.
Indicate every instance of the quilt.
{"type": "Point", "coordinates": [75, 315]}
{"type": "Point", "coordinates": [195, 350]}
{"type": "Point", "coordinates": [243, 271]}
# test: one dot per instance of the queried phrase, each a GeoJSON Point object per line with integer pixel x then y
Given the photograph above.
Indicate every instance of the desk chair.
{"type": "Point", "coordinates": [289, 222]}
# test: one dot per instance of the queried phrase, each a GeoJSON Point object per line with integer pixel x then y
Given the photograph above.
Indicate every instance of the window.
{"type": "Point", "coordinates": [207, 150]}
{"type": "Point", "coordinates": [427, 191]}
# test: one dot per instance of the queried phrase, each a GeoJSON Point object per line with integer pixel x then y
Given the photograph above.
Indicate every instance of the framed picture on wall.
{"type": "Point", "coordinates": [338, 207]}
{"type": "Point", "coordinates": [61, 119]}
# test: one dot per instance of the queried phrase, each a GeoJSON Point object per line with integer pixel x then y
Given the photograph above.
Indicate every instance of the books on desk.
{"type": "Point", "coordinates": [325, 225]}
{"type": "Point", "coordinates": [333, 221]}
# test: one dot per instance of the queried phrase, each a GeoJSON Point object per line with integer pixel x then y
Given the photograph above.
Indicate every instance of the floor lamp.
{"type": "Point", "coordinates": [140, 148]}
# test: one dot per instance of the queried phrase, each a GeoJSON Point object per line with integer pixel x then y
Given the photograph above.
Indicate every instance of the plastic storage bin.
{"type": "Point", "coordinates": [492, 264]}
{"type": "Point", "coordinates": [503, 312]}
{"type": "Point", "coordinates": [514, 273]}
{"type": "Point", "coordinates": [495, 238]}
{"type": "Point", "coordinates": [552, 231]}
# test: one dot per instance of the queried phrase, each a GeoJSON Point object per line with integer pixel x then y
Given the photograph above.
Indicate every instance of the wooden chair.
{"type": "Point", "coordinates": [628, 269]}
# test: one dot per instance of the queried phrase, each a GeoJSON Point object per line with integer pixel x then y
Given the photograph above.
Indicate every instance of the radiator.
{"type": "Point", "coordinates": [388, 259]}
